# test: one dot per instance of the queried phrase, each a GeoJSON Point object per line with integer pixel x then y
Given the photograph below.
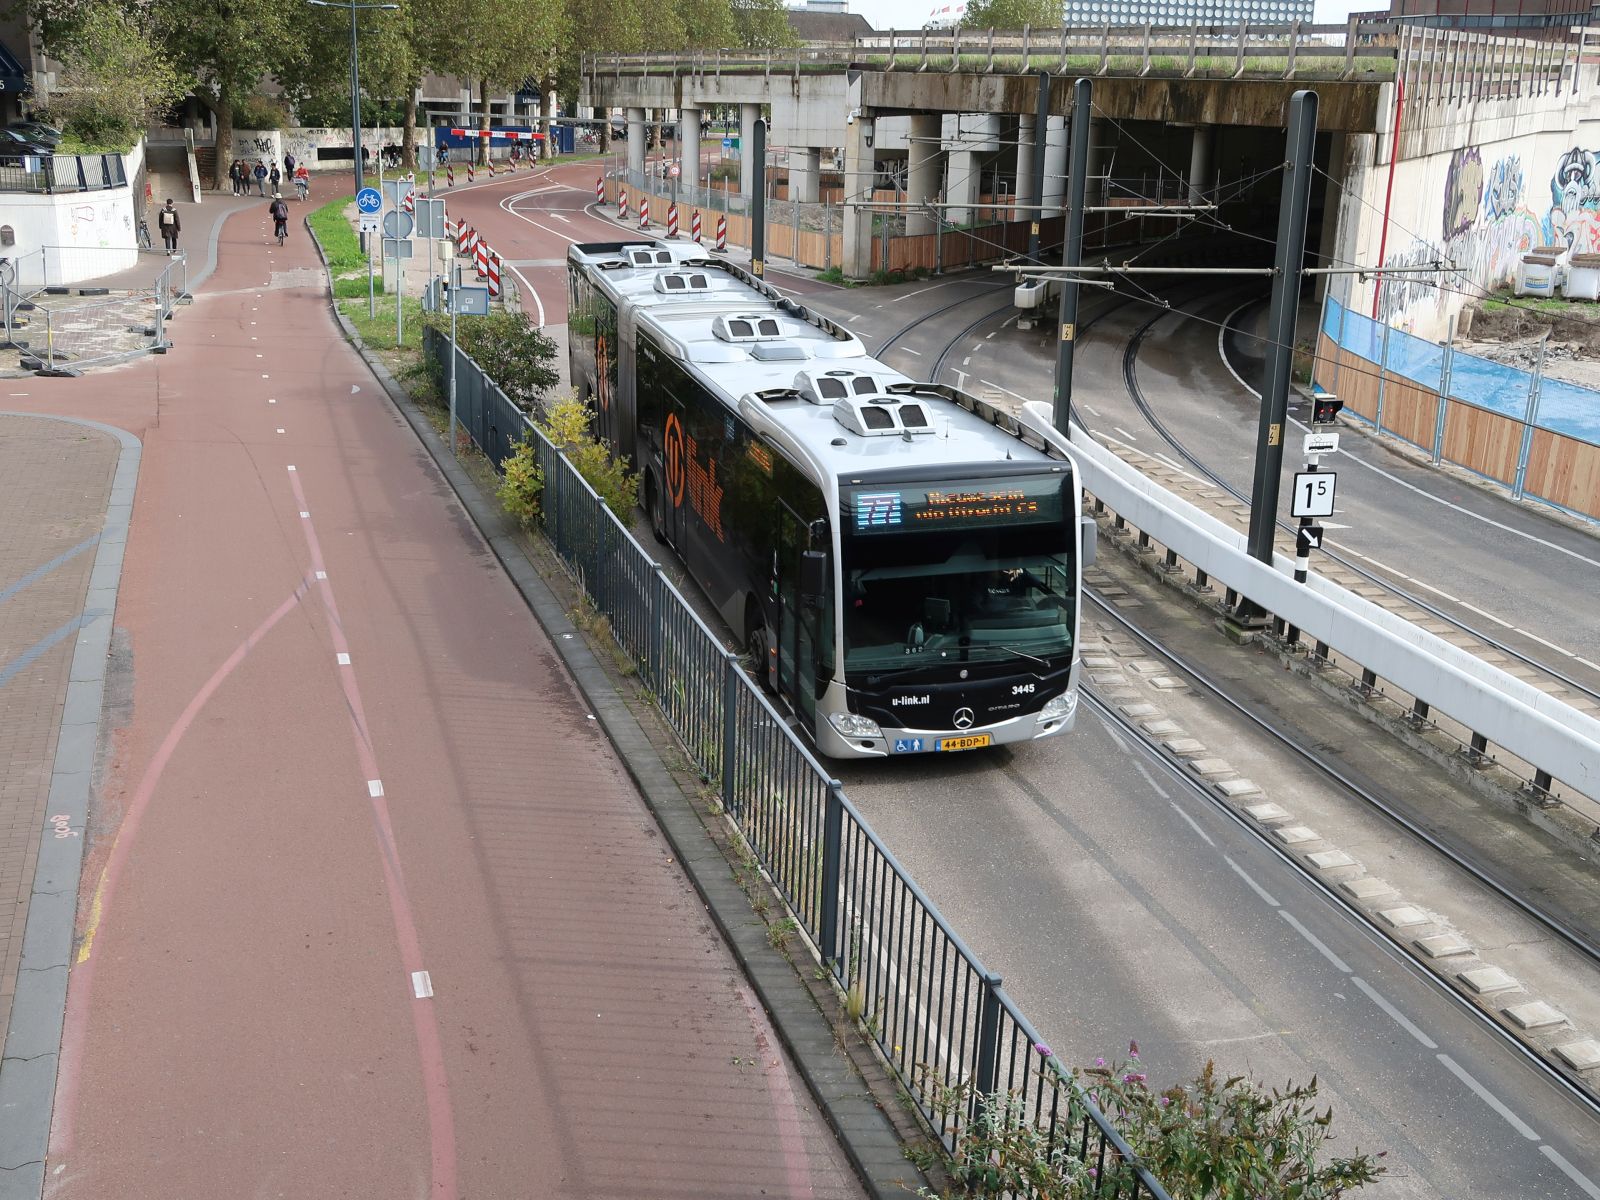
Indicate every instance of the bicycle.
{"type": "Point", "coordinates": [282, 231]}
{"type": "Point", "coordinates": [144, 234]}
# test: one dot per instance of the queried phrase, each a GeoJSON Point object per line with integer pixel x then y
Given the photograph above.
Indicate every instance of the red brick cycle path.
{"type": "Point", "coordinates": [355, 775]}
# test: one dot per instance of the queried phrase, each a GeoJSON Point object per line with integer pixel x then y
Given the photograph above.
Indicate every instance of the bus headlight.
{"type": "Point", "coordinates": [1060, 708]}
{"type": "Point", "coordinates": [851, 725]}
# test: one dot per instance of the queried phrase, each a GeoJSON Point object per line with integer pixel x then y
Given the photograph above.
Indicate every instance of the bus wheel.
{"type": "Point", "coordinates": [755, 645]}
{"type": "Point", "coordinates": [652, 508]}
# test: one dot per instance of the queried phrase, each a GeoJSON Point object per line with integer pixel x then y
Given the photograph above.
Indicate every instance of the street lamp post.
{"type": "Point", "coordinates": [355, 77]}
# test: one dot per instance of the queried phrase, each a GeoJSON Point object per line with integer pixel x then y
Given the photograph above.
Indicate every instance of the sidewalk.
{"type": "Point", "coordinates": [370, 906]}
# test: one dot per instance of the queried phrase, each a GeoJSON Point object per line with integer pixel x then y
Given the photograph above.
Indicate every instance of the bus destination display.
{"type": "Point", "coordinates": [958, 506]}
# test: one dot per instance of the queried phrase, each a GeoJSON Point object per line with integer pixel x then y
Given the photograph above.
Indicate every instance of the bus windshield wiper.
{"type": "Point", "coordinates": [879, 676]}
{"type": "Point", "coordinates": [1043, 662]}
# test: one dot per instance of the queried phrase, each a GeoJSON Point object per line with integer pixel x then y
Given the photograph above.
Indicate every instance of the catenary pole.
{"type": "Point", "coordinates": [1293, 210]}
{"type": "Point", "coordinates": [1072, 252]}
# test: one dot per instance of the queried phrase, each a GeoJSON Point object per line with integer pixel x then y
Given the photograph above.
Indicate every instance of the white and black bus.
{"type": "Point", "coordinates": [901, 559]}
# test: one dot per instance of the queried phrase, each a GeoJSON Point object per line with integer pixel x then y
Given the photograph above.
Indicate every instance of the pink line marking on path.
{"type": "Point", "coordinates": [81, 984]}
{"type": "Point", "coordinates": [436, 1085]}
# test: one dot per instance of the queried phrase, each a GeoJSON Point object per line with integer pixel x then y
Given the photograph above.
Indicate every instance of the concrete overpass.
{"type": "Point", "coordinates": [947, 116]}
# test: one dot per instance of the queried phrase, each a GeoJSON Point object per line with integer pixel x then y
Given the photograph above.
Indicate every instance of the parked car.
{"type": "Point", "coordinates": [37, 131]}
{"type": "Point", "coordinates": [15, 146]}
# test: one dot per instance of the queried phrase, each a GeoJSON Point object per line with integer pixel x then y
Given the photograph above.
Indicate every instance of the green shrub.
{"type": "Point", "coordinates": [569, 424]}
{"type": "Point", "coordinates": [519, 357]}
{"type": "Point", "coordinates": [522, 486]}
{"type": "Point", "coordinates": [259, 112]}
{"type": "Point", "coordinates": [339, 240]}
{"type": "Point", "coordinates": [355, 287]}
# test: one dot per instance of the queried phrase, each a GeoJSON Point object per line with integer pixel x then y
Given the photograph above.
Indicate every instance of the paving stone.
{"type": "Point", "coordinates": [1404, 915]}
{"type": "Point", "coordinates": [1488, 979]}
{"type": "Point", "coordinates": [1328, 860]}
{"type": "Point", "coordinates": [1146, 666]}
{"type": "Point", "coordinates": [1443, 945]}
{"type": "Point", "coordinates": [1536, 1015]}
{"type": "Point", "coordinates": [1235, 789]}
{"type": "Point", "coordinates": [1099, 663]}
{"type": "Point", "coordinates": [1365, 888]}
{"type": "Point", "coordinates": [1293, 835]}
{"type": "Point", "coordinates": [1267, 811]}
{"type": "Point", "coordinates": [1168, 683]}
{"type": "Point", "coordinates": [1582, 1055]}
{"type": "Point", "coordinates": [1106, 678]}
{"type": "Point", "coordinates": [1185, 747]}
{"type": "Point", "coordinates": [1138, 712]}
{"type": "Point", "coordinates": [1211, 768]}
{"type": "Point", "coordinates": [1128, 603]}
{"type": "Point", "coordinates": [1161, 727]}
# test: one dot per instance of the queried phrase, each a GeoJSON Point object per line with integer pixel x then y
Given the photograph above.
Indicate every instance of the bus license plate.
{"type": "Point", "coordinates": [970, 742]}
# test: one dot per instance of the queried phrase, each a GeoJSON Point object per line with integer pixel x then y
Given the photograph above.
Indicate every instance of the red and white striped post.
{"type": "Point", "coordinates": [449, 174]}
{"type": "Point", "coordinates": [491, 168]}
{"type": "Point", "coordinates": [411, 202]}
{"type": "Point", "coordinates": [480, 254]}
{"type": "Point", "coordinates": [494, 275]}
{"type": "Point", "coordinates": [644, 212]}
{"type": "Point", "coordinates": [694, 226]}
{"type": "Point", "coordinates": [600, 190]}
{"type": "Point", "coordinates": [622, 203]}
{"type": "Point", "coordinates": [672, 219]}
{"type": "Point", "coordinates": [472, 173]}
{"type": "Point", "coordinates": [722, 231]}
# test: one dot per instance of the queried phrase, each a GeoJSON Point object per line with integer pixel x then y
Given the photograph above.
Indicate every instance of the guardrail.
{"type": "Point", "coordinates": [938, 1017]}
{"type": "Point", "coordinates": [52, 174]}
{"type": "Point", "coordinates": [1555, 739]}
{"type": "Point", "coordinates": [1294, 51]}
{"type": "Point", "coordinates": [65, 333]}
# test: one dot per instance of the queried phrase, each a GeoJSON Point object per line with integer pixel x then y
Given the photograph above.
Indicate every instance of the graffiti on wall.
{"type": "Point", "coordinates": [1487, 223]}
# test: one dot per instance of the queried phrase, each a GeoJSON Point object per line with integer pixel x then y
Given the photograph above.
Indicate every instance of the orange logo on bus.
{"type": "Point", "coordinates": [676, 456]}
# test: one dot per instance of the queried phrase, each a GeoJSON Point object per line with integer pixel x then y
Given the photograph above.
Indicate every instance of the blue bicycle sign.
{"type": "Point", "coordinates": [368, 200]}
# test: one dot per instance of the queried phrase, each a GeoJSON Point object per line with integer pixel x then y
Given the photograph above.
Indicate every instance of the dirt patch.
{"type": "Point", "coordinates": [1512, 336]}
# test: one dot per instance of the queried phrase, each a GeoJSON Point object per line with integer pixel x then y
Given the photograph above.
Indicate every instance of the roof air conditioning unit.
{"type": "Point", "coordinates": [755, 328]}
{"type": "Point", "coordinates": [826, 387]}
{"type": "Point", "coordinates": [682, 282]}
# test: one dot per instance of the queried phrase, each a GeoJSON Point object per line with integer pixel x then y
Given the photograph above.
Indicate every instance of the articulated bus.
{"type": "Point", "coordinates": [901, 559]}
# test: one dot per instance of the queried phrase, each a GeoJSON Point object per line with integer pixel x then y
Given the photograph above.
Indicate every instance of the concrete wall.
{"type": "Point", "coordinates": [1476, 185]}
{"type": "Point", "coordinates": [90, 220]}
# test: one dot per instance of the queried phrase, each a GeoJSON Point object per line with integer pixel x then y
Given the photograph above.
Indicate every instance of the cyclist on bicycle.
{"type": "Point", "coordinates": [302, 181]}
{"type": "Point", "coordinates": [280, 217]}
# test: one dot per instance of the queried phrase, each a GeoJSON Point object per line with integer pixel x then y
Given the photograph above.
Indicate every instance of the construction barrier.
{"type": "Point", "coordinates": [480, 255]}
{"type": "Point", "coordinates": [494, 275]}
{"type": "Point", "coordinates": [694, 226]}
{"type": "Point", "coordinates": [644, 212]}
{"type": "Point", "coordinates": [600, 190]}
{"type": "Point", "coordinates": [722, 231]}
{"type": "Point", "coordinates": [672, 219]}
{"type": "Point", "coordinates": [622, 203]}
{"type": "Point", "coordinates": [472, 173]}
{"type": "Point", "coordinates": [491, 168]}
{"type": "Point", "coordinates": [449, 175]}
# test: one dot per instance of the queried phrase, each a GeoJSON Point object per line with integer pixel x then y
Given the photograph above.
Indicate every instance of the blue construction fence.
{"type": "Point", "coordinates": [1561, 407]}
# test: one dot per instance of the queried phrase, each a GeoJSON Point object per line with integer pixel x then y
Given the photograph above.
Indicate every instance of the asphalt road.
{"type": "Point", "coordinates": [1116, 906]}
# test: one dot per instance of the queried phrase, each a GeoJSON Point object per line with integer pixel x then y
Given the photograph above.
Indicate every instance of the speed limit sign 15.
{"type": "Point", "coordinates": [1313, 493]}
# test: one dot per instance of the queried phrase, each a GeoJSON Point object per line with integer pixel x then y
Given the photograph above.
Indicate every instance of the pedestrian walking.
{"type": "Point", "coordinates": [261, 176]}
{"type": "Point", "coordinates": [170, 225]}
{"type": "Point", "coordinates": [302, 181]}
{"type": "Point", "coordinates": [288, 166]}
{"type": "Point", "coordinates": [277, 177]}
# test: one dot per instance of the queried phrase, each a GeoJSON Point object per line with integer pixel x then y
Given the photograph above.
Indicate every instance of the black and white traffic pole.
{"type": "Point", "coordinates": [1072, 253]}
{"type": "Point", "coordinates": [758, 199]}
{"type": "Point", "coordinates": [1293, 211]}
{"type": "Point", "coordinates": [1307, 537]}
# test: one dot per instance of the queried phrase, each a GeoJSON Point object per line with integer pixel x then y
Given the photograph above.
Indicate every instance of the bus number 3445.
{"type": "Point", "coordinates": [1021, 689]}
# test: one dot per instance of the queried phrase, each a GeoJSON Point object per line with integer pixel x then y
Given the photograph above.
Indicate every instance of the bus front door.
{"type": "Point", "coordinates": [797, 623]}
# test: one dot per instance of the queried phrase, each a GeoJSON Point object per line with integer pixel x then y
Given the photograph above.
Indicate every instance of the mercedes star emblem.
{"type": "Point", "coordinates": [963, 718]}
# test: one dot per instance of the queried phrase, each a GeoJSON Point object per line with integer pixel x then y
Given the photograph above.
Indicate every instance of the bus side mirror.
{"type": "Point", "coordinates": [1088, 538]}
{"type": "Point", "coordinates": [813, 576]}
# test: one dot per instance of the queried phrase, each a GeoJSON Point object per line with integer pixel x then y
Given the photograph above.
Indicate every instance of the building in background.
{"type": "Point", "coordinates": [1529, 18]}
{"type": "Point", "coordinates": [1083, 13]}
{"type": "Point", "coordinates": [827, 21]}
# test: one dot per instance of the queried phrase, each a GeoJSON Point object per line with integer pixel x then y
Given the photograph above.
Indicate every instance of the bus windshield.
{"type": "Point", "coordinates": [960, 571]}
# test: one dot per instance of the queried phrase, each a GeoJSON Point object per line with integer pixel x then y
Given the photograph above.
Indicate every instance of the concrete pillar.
{"type": "Point", "coordinates": [860, 173]}
{"type": "Point", "coordinates": [635, 118]}
{"type": "Point", "coordinates": [1023, 188]}
{"type": "Point", "coordinates": [748, 115]}
{"type": "Point", "coordinates": [963, 184]}
{"type": "Point", "coordinates": [1334, 213]}
{"type": "Point", "coordinates": [924, 158]}
{"type": "Point", "coordinates": [1055, 166]}
{"type": "Point", "coordinates": [805, 174]}
{"type": "Point", "coordinates": [1200, 163]}
{"type": "Point", "coordinates": [689, 147]}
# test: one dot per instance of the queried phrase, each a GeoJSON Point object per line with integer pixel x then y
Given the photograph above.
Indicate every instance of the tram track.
{"type": "Point", "coordinates": [1561, 928]}
{"type": "Point", "coordinates": [1142, 403]}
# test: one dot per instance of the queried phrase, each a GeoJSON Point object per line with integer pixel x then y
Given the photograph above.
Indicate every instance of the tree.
{"type": "Point", "coordinates": [501, 44]}
{"type": "Point", "coordinates": [114, 79]}
{"type": "Point", "coordinates": [762, 24]}
{"type": "Point", "coordinates": [314, 68]}
{"type": "Point", "coordinates": [1013, 14]}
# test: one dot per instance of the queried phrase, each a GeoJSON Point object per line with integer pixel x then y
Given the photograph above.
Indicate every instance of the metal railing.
{"type": "Point", "coordinates": [53, 174]}
{"type": "Point", "coordinates": [939, 1018]}
{"type": "Point", "coordinates": [1299, 50]}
